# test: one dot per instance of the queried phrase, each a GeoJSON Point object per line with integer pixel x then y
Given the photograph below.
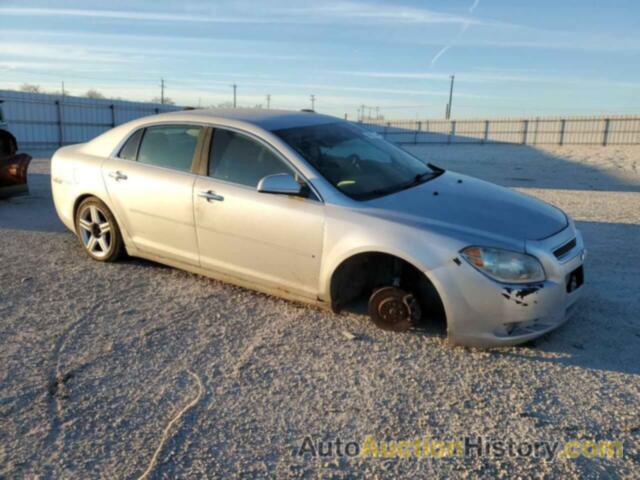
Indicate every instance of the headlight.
{"type": "Point", "coordinates": [503, 265]}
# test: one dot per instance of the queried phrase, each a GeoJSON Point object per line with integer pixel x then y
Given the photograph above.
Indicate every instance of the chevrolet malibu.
{"type": "Point", "coordinates": [312, 208]}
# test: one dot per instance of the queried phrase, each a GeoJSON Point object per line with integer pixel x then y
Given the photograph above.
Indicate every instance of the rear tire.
{"type": "Point", "coordinates": [98, 231]}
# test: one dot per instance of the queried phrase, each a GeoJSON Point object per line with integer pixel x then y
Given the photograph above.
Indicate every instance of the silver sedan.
{"type": "Point", "coordinates": [312, 208]}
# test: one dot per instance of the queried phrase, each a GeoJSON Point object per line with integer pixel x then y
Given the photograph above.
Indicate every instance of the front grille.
{"type": "Point", "coordinates": [564, 249]}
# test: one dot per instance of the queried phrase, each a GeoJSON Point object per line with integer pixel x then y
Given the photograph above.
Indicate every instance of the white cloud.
{"type": "Point", "coordinates": [403, 75]}
{"type": "Point", "coordinates": [267, 13]}
{"type": "Point", "coordinates": [127, 15]}
{"type": "Point", "coordinates": [382, 12]}
{"type": "Point", "coordinates": [489, 75]}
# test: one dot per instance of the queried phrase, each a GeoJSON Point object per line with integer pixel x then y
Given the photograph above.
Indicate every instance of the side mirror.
{"type": "Point", "coordinates": [282, 183]}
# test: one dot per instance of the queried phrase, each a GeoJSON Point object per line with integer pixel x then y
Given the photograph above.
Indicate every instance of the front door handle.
{"type": "Point", "coordinates": [209, 195]}
{"type": "Point", "coordinates": [117, 175]}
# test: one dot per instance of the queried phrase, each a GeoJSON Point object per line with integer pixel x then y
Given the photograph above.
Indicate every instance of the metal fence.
{"type": "Point", "coordinates": [43, 123]}
{"type": "Point", "coordinates": [609, 130]}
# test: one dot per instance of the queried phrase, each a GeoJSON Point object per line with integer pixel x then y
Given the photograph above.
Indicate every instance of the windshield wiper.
{"type": "Point", "coordinates": [436, 168]}
{"type": "Point", "coordinates": [420, 177]}
{"type": "Point", "coordinates": [417, 180]}
{"type": "Point", "coordinates": [425, 176]}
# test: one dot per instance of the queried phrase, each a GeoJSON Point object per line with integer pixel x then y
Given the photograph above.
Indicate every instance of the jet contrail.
{"type": "Point", "coordinates": [463, 29]}
{"type": "Point", "coordinates": [439, 54]}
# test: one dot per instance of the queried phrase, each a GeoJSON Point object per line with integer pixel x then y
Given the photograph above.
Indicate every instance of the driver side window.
{"type": "Point", "coordinates": [237, 158]}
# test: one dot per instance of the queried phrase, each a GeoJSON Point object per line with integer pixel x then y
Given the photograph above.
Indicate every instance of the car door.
{"type": "Point", "coordinates": [272, 239]}
{"type": "Point", "coordinates": [150, 185]}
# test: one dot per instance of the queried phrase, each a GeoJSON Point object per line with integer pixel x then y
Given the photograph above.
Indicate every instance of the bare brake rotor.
{"type": "Point", "coordinates": [392, 308]}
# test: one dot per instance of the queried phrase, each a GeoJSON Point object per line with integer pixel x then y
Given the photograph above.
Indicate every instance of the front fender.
{"type": "Point", "coordinates": [348, 234]}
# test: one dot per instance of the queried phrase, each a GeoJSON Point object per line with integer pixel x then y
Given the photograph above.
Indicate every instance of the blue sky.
{"type": "Point", "coordinates": [510, 58]}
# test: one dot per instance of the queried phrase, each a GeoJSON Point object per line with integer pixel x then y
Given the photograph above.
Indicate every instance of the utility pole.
{"type": "Point", "coordinates": [362, 107]}
{"type": "Point", "coordinates": [235, 88]}
{"type": "Point", "coordinates": [63, 90]}
{"type": "Point", "coordinates": [268, 101]}
{"type": "Point", "coordinates": [313, 102]}
{"type": "Point", "coordinates": [162, 91]}
{"type": "Point", "coordinates": [453, 77]}
{"type": "Point", "coordinates": [377, 113]}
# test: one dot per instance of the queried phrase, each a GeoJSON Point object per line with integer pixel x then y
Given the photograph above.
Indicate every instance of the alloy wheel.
{"type": "Point", "coordinates": [95, 231]}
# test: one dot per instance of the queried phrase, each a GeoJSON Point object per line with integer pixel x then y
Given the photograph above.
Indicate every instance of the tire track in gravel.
{"type": "Point", "coordinates": [56, 379]}
{"type": "Point", "coordinates": [174, 420]}
{"type": "Point", "coordinates": [263, 333]}
{"type": "Point", "coordinates": [260, 337]}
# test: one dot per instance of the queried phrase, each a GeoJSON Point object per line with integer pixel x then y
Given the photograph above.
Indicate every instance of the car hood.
{"type": "Point", "coordinates": [468, 204]}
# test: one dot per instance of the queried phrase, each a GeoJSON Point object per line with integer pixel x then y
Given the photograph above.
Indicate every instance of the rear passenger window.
{"type": "Point", "coordinates": [130, 149]}
{"type": "Point", "coordinates": [169, 146]}
{"type": "Point", "coordinates": [239, 159]}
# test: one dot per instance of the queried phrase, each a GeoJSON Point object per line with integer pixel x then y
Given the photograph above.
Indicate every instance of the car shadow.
{"type": "Point", "coordinates": [604, 332]}
{"type": "Point", "coordinates": [31, 212]}
{"type": "Point", "coordinates": [518, 165]}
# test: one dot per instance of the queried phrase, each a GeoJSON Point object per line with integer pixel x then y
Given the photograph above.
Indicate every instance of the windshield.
{"type": "Point", "coordinates": [359, 163]}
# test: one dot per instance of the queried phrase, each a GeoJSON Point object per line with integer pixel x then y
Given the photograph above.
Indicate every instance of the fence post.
{"type": "Point", "coordinates": [415, 137]}
{"type": "Point", "coordinates": [113, 115]}
{"type": "Point", "coordinates": [605, 135]}
{"type": "Point", "coordinates": [525, 130]}
{"type": "Point", "coordinates": [453, 132]}
{"type": "Point", "coordinates": [60, 123]}
{"type": "Point", "coordinates": [485, 139]}
{"type": "Point", "coordinates": [562, 126]}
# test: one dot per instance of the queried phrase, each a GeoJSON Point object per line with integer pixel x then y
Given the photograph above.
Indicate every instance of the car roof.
{"type": "Point", "coordinates": [245, 118]}
{"type": "Point", "coordinates": [266, 119]}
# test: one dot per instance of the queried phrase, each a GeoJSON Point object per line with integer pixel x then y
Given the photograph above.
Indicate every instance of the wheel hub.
{"type": "Point", "coordinates": [392, 308]}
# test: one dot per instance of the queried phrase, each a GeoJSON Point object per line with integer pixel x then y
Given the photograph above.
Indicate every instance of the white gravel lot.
{"type": "Point", "coordinates": [120, 369]}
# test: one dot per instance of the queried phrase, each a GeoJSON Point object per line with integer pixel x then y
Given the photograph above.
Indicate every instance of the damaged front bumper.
{"type": "Point", "coordinates": [484, 313]}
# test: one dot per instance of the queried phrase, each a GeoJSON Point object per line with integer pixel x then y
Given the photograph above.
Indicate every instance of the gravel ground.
{"type": "Point", "coordinates": [133, 368]}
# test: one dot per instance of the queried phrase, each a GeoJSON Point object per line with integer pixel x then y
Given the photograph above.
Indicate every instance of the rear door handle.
{"type": "Point", "coordinates": [209, 195]}
{"type": "Point", "coordinates": [117, 175]}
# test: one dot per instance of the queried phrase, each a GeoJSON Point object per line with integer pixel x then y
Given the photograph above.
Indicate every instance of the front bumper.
{"type": "Point", "coordinates": [484, 313]}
